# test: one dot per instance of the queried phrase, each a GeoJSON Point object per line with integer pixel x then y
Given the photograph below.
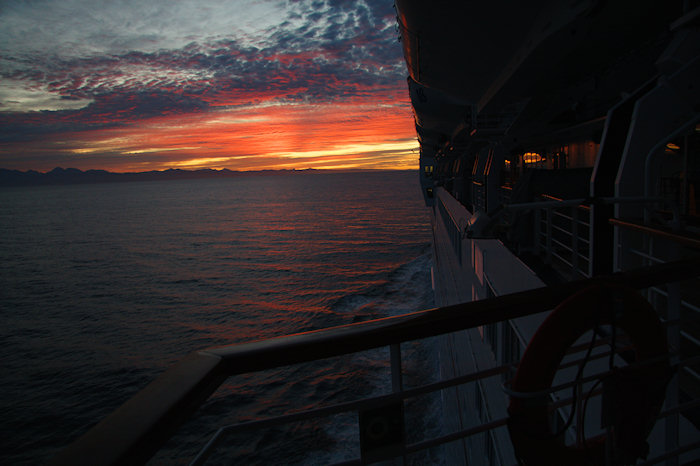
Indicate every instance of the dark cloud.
{"type": "Point", "coordinates": [107, 111]}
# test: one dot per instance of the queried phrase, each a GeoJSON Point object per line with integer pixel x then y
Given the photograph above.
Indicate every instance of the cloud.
{"type": "Point", "coordinates": [94, 66]}
{"type": "Point", "coordinates": [15, 96]}
{"type": "Point", "coordinates": [345, 60]}
{"type": "Point", "coordinates": [98, 27]}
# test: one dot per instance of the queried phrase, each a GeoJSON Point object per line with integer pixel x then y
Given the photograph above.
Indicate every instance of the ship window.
{"type": "Point", "coordinates": [532, 157]}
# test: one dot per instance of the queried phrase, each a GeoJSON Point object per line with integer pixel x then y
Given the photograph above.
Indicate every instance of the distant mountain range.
{"type": "Point", "coordinates": [74, 176]}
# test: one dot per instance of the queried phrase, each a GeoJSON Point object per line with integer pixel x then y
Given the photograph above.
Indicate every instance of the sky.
{"type": "Point", "coordinates": [246, 85]}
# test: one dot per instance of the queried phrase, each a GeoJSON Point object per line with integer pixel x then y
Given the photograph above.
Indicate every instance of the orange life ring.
{"type": "Point", "coordinates": [528, 424]}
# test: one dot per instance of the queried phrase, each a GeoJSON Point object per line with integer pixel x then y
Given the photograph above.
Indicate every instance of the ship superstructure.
{"type": "Point", "coordinates": [559, 141]}
{"type": "Point", "coordinates": [559, 159]}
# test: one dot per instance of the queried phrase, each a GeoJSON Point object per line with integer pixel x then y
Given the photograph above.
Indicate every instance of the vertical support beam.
{"type": "Point", "coordinates": [607, 164]}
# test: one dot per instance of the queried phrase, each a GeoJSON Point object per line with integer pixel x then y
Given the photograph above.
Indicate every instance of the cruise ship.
{"type": "Point", "coordinates": [560, 163]}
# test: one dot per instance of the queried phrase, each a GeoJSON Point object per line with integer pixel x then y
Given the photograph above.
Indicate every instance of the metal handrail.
{"type": "Point", "coordinates": [383, 400]}
{"type": "Point", "coordinates": [355, 405]}
{"type": "Point", "coordinates": [136, 430]}
{"type": "Point", "coordinates": [677, 237]}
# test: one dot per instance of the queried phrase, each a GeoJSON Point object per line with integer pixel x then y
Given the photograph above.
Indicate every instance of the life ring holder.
{"type": "Point", "coordinates": [528, 422]}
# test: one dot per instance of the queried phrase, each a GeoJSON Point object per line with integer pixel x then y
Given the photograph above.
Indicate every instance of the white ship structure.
{"type": "Point", "coordinates": [560, 163]}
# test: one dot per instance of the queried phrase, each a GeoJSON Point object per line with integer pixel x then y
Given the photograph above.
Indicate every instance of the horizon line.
{"type": "Point", "coordinates": [210, 169]}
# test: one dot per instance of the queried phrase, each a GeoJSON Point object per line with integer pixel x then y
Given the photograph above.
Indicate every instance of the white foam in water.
{"type": "Point", "coordinates": [408, 289]}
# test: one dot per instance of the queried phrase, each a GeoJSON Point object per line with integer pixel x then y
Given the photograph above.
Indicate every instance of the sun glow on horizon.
{"type": "Point", "coordinates": [347, 135]}
{"type": "Point", "coordinates": [351, 149]}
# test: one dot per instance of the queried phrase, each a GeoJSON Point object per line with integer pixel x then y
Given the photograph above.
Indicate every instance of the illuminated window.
{"type": "Point", "coordinates": [532, 157]}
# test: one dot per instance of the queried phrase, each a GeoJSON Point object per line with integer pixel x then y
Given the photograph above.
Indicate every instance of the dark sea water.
{"type": "Point", "coordinates": [104, 286]}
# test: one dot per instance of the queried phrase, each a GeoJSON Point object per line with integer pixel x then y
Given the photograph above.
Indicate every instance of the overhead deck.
{"type": "Point", "coordinates": [556, 64]}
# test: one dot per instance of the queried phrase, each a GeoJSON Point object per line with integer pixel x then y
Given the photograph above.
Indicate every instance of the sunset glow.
{"type": "Point", "coordinates": [314, 88]}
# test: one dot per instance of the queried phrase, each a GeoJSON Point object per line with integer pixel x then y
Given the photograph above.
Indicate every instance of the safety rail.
{"type": "Point", "coordinates": [452, 227]}
{"type": "Point", "coordinates": [478, 195]}
{"type": "Point", "coordinates": [136, 430]}
{"type": "Point", "coordinates": [505, 194]}
{"type": "Point", "coordinates": [360, 406]}
{"type": "Point", "coordinates": [563, 234]}
{"type": "Point", "coordinates": [683, 239]}
{"type": "Point", "coordinates": [678, 305]}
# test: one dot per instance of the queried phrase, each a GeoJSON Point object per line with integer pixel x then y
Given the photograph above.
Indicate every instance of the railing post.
{"type": "Point", "coordinates": [673, 314]}
{"type": "Point", "coordinates": [538, 230]}
{"type": "Point", "coordinates": [549, 236]}
{"type": "Point", "coordinates": [673, 311]}
{"type": "Point", "coordinates": [574, 238]}
{"type": "Point", "coordinates": [577, 404]}
{"type": "Point", "coordinates": [396, 379]}
{"type": "Point", "coordinates": [649, 260]}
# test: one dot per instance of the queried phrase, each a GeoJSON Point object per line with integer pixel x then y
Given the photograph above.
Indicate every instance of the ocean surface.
{"type": "Point", "coordinates": [104, 286]}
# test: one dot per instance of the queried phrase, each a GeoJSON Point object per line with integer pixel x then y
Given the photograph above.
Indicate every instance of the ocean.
{"type": "Point", "coordinates": [104, 286]}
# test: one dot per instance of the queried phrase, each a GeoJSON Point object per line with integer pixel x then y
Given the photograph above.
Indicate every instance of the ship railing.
{"type": "Point", "coordinates": [382, 404]}
{"type": "Point", "coordinates": [453, 227]}
{"type": "Point", "coordinates": [478, 195]}
{"type": "Point", "coordinates": [505, 193]}
{"type": "Point", "coordinates": [561, 402]}
{"type": "Point", "coordinates": [678, 304]}
{"type": "Point", "coordinates": [135, 431]}
{"type": "Point", "coordinates": [562, 236]}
